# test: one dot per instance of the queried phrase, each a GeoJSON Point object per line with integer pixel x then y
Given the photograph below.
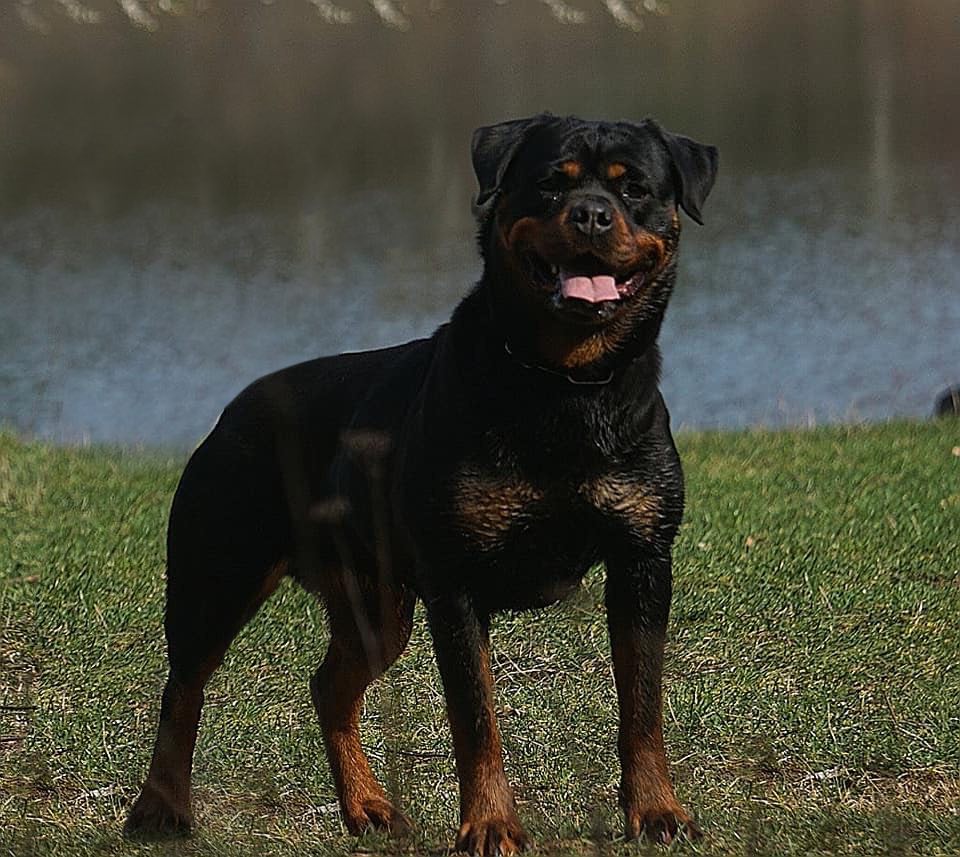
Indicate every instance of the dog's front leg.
{"type": "Point", "coordinates": [489, 824]}
{"type": "Point", "coordinates": [638, 605]}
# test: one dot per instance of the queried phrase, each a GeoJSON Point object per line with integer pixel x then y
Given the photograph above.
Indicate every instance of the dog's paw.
{"type": "Point", "coordinates": [375, 813]}
{"type": "Point", "coordinates": [155, 816]}
{"type": "Point", "coordinates": [492, 837]}
{"type": "Point", "coordinates": [661, 824]}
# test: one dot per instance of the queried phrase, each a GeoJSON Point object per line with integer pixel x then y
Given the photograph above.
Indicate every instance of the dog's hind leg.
{"type": "Point", "coordinates": [223, 562]}
{"type": "Point", "coordinates": [198, 635]}
{"type": "Point", "coordinates": [368, 631]}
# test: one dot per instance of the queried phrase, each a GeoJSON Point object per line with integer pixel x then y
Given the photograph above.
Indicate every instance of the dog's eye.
{"type": "Point", "coordinates": [551, 186]}
{"type": "Point", "coordinates": [633, 190]}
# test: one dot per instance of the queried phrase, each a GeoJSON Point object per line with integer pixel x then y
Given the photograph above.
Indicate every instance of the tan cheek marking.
{"type": "Point", "coordinates": [647, 243]}
{"type": "Point", "coordinates": [547, 237]}
{"type": "Point", "coordinates": [486, 507]}
{"type": "Point", "coordinates": [651, 246]}
{"type": "Point", "coordinates": [571, 169]}
{"type": "Point", "coordinates": [522, 230]}
{"type": "Point", "coordinates": [615, 171]}
{"type": "Point", "coordinates": [628, 498]}
{"type": "Point", "coordinates": [620, 228]}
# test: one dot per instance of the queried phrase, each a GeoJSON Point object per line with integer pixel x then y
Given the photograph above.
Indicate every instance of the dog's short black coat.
{"type": "Point", "coordinates": [485, 468]}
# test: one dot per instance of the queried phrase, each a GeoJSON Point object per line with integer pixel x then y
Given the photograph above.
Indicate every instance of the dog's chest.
{"type": "Point", "coordinates": [496, 510]}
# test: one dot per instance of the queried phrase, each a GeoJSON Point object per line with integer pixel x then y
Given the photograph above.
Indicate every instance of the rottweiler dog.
{"type": "Point", "coordinates": [484, 469]}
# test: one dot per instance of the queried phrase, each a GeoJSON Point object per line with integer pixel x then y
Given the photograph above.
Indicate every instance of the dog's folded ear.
{"type": "Point", "coordinates": [694, 170]}
{"type": "Point", "coordinates": [493, 149]}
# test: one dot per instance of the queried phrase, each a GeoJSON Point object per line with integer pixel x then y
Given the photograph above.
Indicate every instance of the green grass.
{"type": "Point", "coordinates": [813, 686]}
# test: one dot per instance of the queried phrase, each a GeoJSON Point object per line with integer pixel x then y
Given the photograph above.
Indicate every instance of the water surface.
{"type": "Point", "coordinates": [186, 209]}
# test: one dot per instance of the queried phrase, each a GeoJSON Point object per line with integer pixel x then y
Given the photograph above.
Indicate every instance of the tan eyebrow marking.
{"type": "Point", "coordinates": [614, 171]}
{"type": "Point", "coordinates": [571, 169]}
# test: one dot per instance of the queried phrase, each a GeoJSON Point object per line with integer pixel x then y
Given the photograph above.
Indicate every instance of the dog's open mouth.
{"type": "Point", "coordinates": [585, 278]}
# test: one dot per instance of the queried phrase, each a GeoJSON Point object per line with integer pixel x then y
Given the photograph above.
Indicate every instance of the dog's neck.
{"type": "Point", "coordinates": [480, 333]}
{"type": "Point", "coordinates": [585, 377]}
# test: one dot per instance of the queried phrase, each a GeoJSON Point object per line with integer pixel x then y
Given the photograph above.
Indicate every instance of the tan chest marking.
{"type": "Point", "coordinates": [487, 506]}
{"type": "Point", "coordinates": [624, 496]}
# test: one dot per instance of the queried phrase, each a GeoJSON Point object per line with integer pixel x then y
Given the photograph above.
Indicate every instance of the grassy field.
{"type": "Point", "coordinates": [813, 685]}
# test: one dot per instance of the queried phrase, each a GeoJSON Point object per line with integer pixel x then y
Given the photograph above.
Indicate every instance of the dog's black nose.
{"type": "Point", "coordinates": [592, 216]}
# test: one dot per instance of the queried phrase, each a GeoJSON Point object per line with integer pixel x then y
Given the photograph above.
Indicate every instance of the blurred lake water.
{"type": "Point", "coordinates": [246, 185]}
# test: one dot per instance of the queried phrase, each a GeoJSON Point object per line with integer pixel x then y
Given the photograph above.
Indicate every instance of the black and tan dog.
{"type": "Point", "coordinates": [486, 468]}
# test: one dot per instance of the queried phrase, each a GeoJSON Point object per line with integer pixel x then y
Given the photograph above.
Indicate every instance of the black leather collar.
{"type": "Point", "coordinates": [567, 376]}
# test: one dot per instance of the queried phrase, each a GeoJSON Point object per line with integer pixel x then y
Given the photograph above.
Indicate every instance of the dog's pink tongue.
{"type": "Point", "coordinates": [592, 289]}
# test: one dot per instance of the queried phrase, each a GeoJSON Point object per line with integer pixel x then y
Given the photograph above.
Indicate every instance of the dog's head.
{"type": "Point", "coordinates": [579, 220]}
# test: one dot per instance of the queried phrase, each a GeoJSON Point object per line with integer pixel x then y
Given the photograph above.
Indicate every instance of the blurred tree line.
{"type": "Point", "coordinates": [39, 15]}
{"type": "Point", "coordinates": [107, 103]}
